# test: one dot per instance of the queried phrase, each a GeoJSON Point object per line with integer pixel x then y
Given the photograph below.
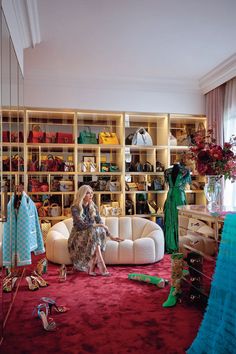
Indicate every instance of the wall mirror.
{"type": "Point", "coordinates": [11, 150]}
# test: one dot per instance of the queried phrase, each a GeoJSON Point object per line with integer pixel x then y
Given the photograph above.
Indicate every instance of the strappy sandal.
{"type": "Point", "coordinates": [103, 270]}
{"type": "Point", "coordinates": [47, 322]}
{"type": "Point", "coordinates": [52, 304]}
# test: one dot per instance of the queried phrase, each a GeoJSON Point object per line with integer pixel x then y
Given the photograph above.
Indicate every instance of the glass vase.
{"type": "Point", "coordinates": [212, 190]}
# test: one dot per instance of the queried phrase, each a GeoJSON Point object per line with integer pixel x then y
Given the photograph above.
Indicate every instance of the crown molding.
{"type": "Point", "coordinates": [219, 75]}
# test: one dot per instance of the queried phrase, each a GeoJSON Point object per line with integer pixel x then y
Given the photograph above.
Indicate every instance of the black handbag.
{"type": "Point", "coordinates": [129, 207]}
{"type": "Point", "coordinates": [147, 167]}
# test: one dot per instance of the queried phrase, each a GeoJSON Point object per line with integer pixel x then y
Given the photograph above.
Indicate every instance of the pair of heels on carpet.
{"type": "Point", "coordinates": [9, 283]}
{"type": "Point", "coordinates": [35, 281]}
{"type": "Point", "coordinates": [45, 308]}
{"type": "Point", "coordinates": [101, 266]}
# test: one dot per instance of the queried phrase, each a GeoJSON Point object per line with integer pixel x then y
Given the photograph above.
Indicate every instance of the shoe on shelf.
{"type": "Point", "coordinates": [32, 283]}
{"type": "Point", "coordinates": [52, 304]}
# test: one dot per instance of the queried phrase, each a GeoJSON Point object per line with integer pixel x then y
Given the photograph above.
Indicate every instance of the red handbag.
{"type": "Point", "coordinates": [36, 137]}
{"type": "Point", "coordinates": [6, 136]}
{"type": "Point", "coordinates": [50, 138]}
{"type": "Point", "coordinates": [64, 138]}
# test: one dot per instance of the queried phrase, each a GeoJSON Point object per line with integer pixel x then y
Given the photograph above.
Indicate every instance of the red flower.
{"type": "Point", "coordinates": [212, 159]}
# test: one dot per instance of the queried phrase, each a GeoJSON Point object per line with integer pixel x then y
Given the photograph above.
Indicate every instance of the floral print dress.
{"type": "Point", "coordinates": [84, 238]}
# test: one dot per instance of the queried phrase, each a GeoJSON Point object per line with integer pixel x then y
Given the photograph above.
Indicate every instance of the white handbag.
{"type": "Point", "coordinates": [142, 137]}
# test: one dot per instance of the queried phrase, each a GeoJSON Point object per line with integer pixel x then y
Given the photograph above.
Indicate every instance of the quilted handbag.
{"type": "Point", "coordinates": [142, 137]}
{"type": "Point", "coordinates": [87, 137]}
{"type": "Point", "coordinates": [108, 138]}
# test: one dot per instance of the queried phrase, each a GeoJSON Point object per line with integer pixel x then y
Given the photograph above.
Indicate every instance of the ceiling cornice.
{"type": "Point", "coordinates": [23, 21]}
{"type": "Point", "coordinates": [219, 75]}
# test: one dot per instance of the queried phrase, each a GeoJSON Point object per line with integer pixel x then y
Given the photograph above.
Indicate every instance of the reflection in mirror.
{"type": "Point", "coordinates": [12, 147]}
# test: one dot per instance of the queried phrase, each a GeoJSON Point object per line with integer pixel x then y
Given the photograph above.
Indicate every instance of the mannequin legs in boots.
{"type": "Point", "coordinates": [176, 275]}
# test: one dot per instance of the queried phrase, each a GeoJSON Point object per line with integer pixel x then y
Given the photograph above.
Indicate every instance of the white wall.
{"type": "Point", "coordinates": [46, 94]}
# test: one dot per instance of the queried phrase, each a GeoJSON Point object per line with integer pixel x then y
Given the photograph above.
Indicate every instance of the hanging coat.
{"type": "Point", "coordinates": [21, 233]}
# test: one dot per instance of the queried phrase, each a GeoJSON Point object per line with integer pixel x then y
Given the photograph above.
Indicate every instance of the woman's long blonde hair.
{"type": "Point", "coordinates": [78, 200]}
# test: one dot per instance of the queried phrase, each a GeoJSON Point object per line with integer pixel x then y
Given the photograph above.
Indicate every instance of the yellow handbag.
{"type": "Point", "coordinates": [107, 138]}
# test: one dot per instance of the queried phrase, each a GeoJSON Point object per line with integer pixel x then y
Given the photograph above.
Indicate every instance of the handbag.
{"type": "Point", "coordinates": [147, 167]}
{"type": "Point", "coordinates": [87, 137]}
{"type": "Point", "coordinates": [64, 138]}
{"type": "Point", "coordinates": [129, 207]}
{"type": "Point", "coordinates": [36, 137]}
{"type": "Point", "coordinates": [5, 136]}
{"type": "Point", "coordinates": [156, 185]}
{"type": "Point", "coordinates": [45, 227]}
{"type": "Point", "coordinates": [142, 137]}
{"type": "Point", "coordinates": [108, 138]}
{"type": "Point", "coordinates": [54, 210]}
{"type": "Point", "coordinates": [43, 210]}
{"type": "Point", "coordinates": [172, 140]}
{"type": "Point", "coordinates": [50, 138]}
{"type": "Point", "coordinates": [113, 186]}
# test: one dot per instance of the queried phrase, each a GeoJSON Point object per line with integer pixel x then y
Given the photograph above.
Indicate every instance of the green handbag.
{"type": "Point", "coordinates": [87, 137]}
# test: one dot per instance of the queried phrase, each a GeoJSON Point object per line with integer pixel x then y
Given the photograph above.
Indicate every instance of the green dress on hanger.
{"type": "Point", "coordinates": [176, 177]}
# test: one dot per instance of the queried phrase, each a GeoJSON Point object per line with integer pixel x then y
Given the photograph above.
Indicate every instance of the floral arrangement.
{"type": "Point", "coordinates": [212, 159]}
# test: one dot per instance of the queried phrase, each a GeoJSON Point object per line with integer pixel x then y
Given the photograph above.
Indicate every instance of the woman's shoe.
{"type": "Point", "coordinates": [32, 283]}
{"type": "Point", "coordinates": [103, 270]}
{"type": "Point", "coordinates": [172, 298]}
{"type": "Point", "coordinates": [52, 304]}
{"type": "Point", "coordinates": [8, 284]}
{"type": "Point", "coordinates": [48, 323]}
{"type": "Point", "coordinates": [62, 273]}
{"type": "Point", "coordinates": [42, 282]}
{"type": "Point", "coordinates": [91, 267]}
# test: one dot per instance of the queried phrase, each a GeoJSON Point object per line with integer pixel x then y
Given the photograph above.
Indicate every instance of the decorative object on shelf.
{"type": "Point", "coordinates": [108, 138]}
{"type": "Point", "coordinates": [142, 137]}
{"type": "Point", "coordinates": [87, 137]}
{"type": "Point", "coordinates": [214, 162]}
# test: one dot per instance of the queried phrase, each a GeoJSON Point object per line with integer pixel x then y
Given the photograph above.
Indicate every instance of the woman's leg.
{"type": "Point", "coordinates": [100, 261]}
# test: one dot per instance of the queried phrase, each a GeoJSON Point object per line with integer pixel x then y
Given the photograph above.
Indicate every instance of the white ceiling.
{"type": "Point", "coordinates": [152, 40]}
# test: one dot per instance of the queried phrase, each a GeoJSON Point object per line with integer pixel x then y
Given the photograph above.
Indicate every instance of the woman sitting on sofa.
{"type": "Point", "coordinates": [88, 236]}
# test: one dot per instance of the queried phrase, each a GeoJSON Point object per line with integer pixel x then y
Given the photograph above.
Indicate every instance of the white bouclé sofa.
{"type": "Point", "coordinates": [143, 241]}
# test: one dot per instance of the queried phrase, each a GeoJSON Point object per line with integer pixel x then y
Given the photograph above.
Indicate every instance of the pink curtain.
{"type": "Point", "coordinates": [215, 112]}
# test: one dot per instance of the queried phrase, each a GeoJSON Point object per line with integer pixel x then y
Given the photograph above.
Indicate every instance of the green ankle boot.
{"type": "Point", "coordinates": [172, 298]}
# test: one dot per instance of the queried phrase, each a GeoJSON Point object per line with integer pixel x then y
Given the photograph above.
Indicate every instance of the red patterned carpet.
{"type": "Point", "coordinates": [108, 315]}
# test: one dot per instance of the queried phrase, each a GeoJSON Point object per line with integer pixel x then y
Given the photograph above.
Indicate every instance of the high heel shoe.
{"type": "Point", "coordinates": [102, 269]}
{"type": "Point", "coordinates": [42, 282]}
{"type": "Point", "coordinates": [32, 283]}
{"type": "Point", "coordinates": [52, 304]}
{"type": "Point", "coordinates": [8, 284]}
{"type": "Point", "coordinates": [62, 273]}
{"type": "Point", "coordinates": [42, 312]}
